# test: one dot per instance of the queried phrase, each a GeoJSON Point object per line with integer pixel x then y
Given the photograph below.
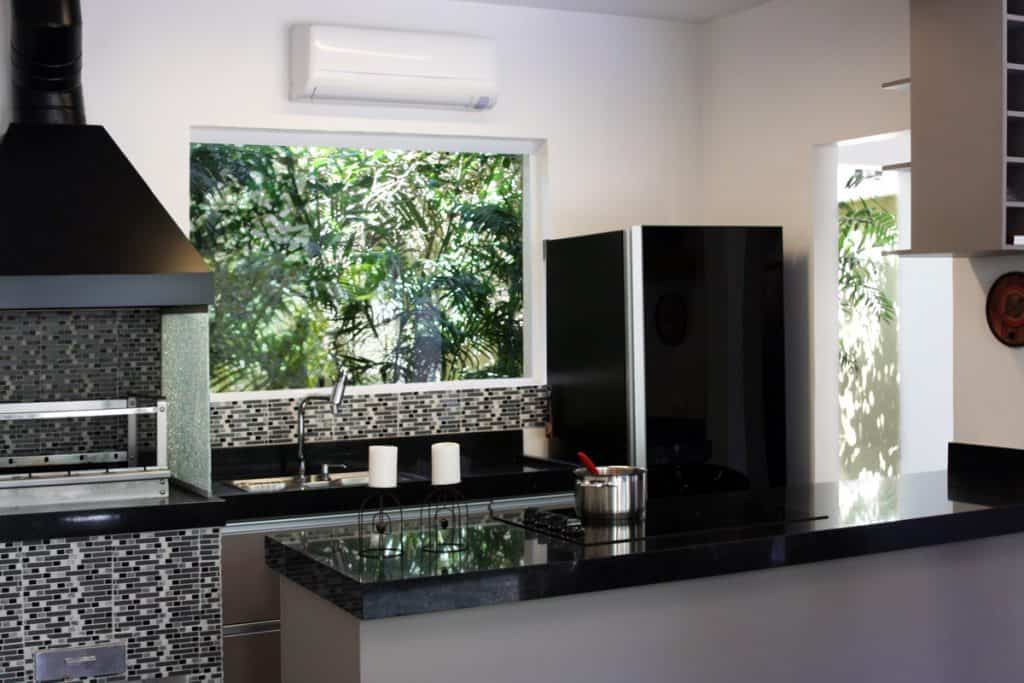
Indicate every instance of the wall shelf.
{"type": "Point", "coordinates": [1014, 90]}
{"type": "Point", "coordinates": [1014, 41]}
{"type": "Point", "coordinates": [1014, 139]}
{"type": "Point", "coordinates": [904, 166]}
{"type": "Point", "coordinates": [898, 84]}
{"type": "Point", "coordinates": [1014, 225]}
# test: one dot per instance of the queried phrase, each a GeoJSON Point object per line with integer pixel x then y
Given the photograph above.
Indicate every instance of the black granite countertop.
{"type": "Point", "coordinates": [493, 466]}
{"type": "Point", "coordinates": [181, 509]}
{"type": "Point", "coordinates": [507, 563]}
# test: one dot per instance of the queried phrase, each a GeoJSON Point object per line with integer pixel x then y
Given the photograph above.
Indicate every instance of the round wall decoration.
{"type": "Point", "coordinates": [1005, 309]}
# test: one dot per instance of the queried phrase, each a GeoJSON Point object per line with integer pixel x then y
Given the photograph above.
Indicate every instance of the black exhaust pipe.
{"type": "Point", "coordinates": [46, 52]}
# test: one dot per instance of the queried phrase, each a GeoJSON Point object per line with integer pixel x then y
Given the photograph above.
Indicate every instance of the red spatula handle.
{"type": "Point", "coordinates": [587, 462]}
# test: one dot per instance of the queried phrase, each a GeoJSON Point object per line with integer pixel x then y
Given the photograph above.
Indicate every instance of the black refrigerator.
{"type": "Point", "coordinates": [666, 350]}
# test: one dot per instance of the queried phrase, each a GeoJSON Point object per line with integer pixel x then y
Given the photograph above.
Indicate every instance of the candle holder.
{"type": "Point", "coordinates": [443, 563]}
{"type": "Point", "coordinates": [443, 518]}
{"type": "Point", "coordinates": [378, 524]}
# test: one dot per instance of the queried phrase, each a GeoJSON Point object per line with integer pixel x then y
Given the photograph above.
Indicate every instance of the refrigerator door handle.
{"type": "Point", "coordinates": [635, 368]}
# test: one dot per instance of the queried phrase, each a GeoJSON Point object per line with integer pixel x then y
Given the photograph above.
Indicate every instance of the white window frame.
{"type": "Point", "coordinates": [534, 313]}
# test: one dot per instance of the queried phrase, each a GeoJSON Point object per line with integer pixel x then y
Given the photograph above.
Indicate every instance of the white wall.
{"type": "Point", "coordinates": [927, 420]}
{"type": "Point", "coordinates": [824, 302]}
{"type": "Point", "coordinates": [988, 377]}
{"type": "Point", "coordinates": [927, 411]}
{"type": "Point", "coordinates": [615, 99]}
{"type": "Point", "coordinates": [778, 80]}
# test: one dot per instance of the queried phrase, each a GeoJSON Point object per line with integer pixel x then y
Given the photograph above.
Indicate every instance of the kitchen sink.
{"type": "Point", "coordinates": [312, 483]}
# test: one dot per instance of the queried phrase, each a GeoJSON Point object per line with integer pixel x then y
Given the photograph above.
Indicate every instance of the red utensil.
{"type": "Point", "coordinates": [588, 463]}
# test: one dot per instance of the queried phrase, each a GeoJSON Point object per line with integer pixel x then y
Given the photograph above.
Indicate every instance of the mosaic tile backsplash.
{"type": "Point", "coordinates": [158, 592]}
{"type": "Point", "coordinates": [247, 423]}
{"type": "Point", "coordinates": [77, 355]}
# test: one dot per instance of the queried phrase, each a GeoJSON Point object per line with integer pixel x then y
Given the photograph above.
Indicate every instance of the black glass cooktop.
{"type": "Point", "coordinates": [665, 517]}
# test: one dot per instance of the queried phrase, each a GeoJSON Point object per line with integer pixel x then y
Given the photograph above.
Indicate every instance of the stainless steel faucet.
{"type": "Point", "coordinates": [335, 398]}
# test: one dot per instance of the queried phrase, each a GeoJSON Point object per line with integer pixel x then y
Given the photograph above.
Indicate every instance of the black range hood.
{"type": "Point", "coordinates": [80, 228]}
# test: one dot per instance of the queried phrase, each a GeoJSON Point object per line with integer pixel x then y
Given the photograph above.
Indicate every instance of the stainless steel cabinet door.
{"type": "Point", "coordinates": [251, 592]}
{"type": "Point", "coordinates": [253, 658]}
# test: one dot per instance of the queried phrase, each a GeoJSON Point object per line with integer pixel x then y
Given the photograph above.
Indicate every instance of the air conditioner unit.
{"type": "Point", "coordinates": [340, 63]}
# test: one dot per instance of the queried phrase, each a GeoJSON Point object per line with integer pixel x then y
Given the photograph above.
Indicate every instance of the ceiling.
{"type": "Point", "coordinates": [678, 10]}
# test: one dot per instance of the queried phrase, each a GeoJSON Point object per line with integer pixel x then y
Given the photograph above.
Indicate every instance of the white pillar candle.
{"type": "Point", "coordinates": [383, 467]}
{"type": "Point", "coordinates": [445, 468]}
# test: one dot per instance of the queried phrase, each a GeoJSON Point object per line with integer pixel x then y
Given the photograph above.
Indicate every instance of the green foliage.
{"type": "Point", "coordinates": [401, 266]}
{"type": "Point", "coordinates": [866, 227]}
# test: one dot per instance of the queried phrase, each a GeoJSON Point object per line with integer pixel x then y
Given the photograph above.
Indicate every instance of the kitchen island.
{"type": "Point", "coordinates": [893, 579]}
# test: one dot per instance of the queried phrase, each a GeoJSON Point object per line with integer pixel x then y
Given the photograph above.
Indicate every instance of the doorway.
{"type": "Point", "coordinates": [868, 339]}
{"type": "Point", "coordinates": [882, 323]}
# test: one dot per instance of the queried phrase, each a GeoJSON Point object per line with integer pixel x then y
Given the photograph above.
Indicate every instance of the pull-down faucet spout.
{"type": "Point", "coordinates": [335, 399]}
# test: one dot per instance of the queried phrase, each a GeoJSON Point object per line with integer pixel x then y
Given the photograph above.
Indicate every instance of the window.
{"type": "Point", "coordinates": [401, 266]}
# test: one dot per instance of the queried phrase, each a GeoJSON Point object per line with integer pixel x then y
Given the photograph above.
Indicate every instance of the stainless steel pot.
{"type": "Point", "coordinates": [617, 492]}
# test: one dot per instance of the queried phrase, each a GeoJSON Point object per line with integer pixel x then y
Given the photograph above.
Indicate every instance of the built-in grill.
{"type": "Point", "coordinates": [81, 230]}
{"type": "Point", "coordinates": [101, 475]}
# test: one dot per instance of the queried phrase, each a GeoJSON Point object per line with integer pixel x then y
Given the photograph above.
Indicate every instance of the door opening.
{"type": "Point", "coordinates": [883, 324]}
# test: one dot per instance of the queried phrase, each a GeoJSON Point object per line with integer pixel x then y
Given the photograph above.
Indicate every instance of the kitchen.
{"type": "Point", "coordinates": [622, 120]}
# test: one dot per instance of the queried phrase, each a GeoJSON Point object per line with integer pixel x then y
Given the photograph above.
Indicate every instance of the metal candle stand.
{"type": "Point", "coordinates": [443, 563]}
{"type": "Point", "coordinates": [444, 517]}
{"type": "Point", "coordinates": [377, 522]}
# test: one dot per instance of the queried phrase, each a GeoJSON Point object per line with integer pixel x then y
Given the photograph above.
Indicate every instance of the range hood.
{"type": "Point", "coordinates": [80, 228]}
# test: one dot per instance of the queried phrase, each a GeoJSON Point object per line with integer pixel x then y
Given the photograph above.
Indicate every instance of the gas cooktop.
{"type": "Point", "coordinates": [665, 517]}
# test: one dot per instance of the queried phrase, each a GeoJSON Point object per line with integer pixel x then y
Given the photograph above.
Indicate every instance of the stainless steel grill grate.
{"type": "Point", "coordinates": [49, 484]}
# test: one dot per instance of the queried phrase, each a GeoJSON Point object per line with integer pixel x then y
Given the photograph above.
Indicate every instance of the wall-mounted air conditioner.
{"type": "Point", "coordinates": [340, 63]}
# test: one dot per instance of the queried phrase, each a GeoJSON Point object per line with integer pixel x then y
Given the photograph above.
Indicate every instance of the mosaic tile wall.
{"type": "Point", "coordinates": [246, 423]}
{"type": "Point", "coordinates": [159, 592]}
{"type": "Point", "coordinates": [77, 355]}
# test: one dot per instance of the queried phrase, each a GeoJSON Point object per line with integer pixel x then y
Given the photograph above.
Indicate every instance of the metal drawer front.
{"type": "Point", "coordinates": [81, 662]}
